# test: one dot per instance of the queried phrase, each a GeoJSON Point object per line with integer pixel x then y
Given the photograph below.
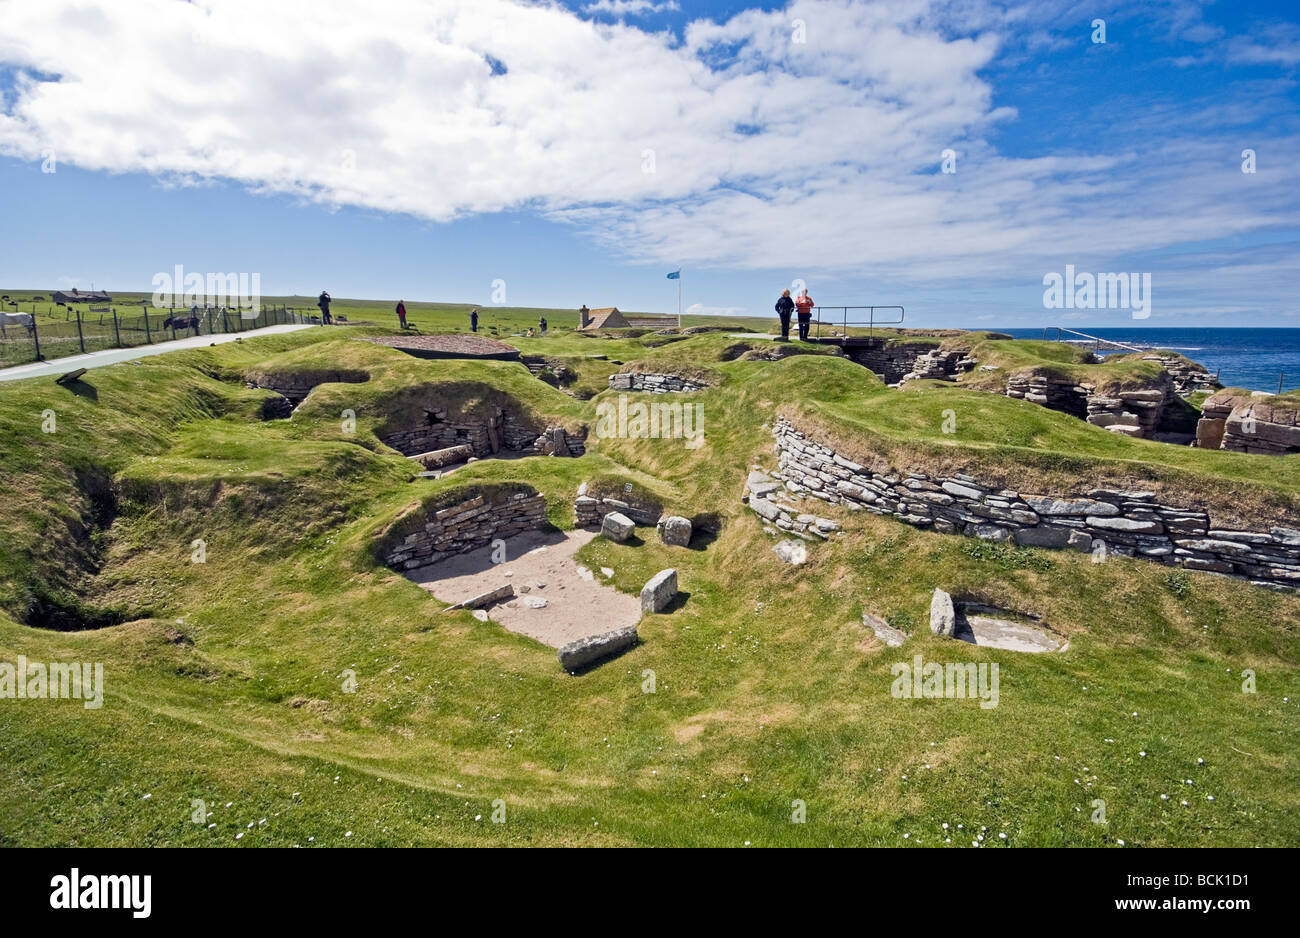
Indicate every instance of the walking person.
{"type": "Point", "coordinates": [324, 304]}
{"type": "Point", "coordinates": [805, 306]}
{"type": "Point", "coordinates": [473, 319]}
{"type": "Point", "coordinates": [401, 313]}
{"type": "Point", "coordinates": [784, 307]}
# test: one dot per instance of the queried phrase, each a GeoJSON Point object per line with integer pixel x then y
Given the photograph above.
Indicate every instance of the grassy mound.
{"type": "Point", "coordinates": [293, 677]}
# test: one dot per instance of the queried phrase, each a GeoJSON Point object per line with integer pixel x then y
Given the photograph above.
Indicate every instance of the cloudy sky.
{"type": "Point", "coordinates": [578, 151]}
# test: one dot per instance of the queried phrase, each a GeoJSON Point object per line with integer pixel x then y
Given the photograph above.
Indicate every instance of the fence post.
{"type": "Point", "coordinates": [117, 335]}
{"type": "Point", "coordinates": [80, 338]}
{"type": "Point", "coordinates": [148, 336]}
{"type": "Point", "coordinates": [36, 338]}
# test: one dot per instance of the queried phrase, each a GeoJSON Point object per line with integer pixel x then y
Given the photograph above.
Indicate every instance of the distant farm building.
{"type": "Point", "coordinates": [76, 296]}
{"type": "Point", "coordinates": [609, 317]}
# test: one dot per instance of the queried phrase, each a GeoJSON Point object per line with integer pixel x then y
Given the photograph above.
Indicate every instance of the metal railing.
{"type": "Point", "coordinates": [46, 338]}
{"type": "Point", "coordinates": [1097, 340]}
{"type": "Point", "coordinates": [845, 323]}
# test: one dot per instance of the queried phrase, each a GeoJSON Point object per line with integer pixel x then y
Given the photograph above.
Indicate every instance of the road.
{"type": "Point", "coordinates": [114, 356]}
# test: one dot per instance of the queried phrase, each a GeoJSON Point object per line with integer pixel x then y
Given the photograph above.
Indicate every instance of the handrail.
{"type": "Point", "coordinates": [870, 322]}
{"type": "Point", "coordinates": [1098, 339]}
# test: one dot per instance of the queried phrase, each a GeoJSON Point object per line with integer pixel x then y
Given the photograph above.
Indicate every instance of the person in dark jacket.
{"type": "Point", "coordinates": [324, 304]}
{"type": "Point", "coordinates": [784, 307]}
{"type": "Point", "coordinates": [541, 325]}
{"type": "Point", "coordinates": [401, 313]}
{"type": "Point", "coordinates": [473, 319]}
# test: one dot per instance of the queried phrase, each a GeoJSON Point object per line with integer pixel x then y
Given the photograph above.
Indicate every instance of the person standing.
{"type": "Point", "coordinates": [784, 307]}
{"type": "Point", "coordinates": [473, 319]}
{"type": "Point", "coordinates": [401, 313]}
{"type": "Point", "coordinates": [541, 324]}
{"type": "Point", "coordinates": [805, 306]}
{"type": "Point", "coordinates": [324, 304]}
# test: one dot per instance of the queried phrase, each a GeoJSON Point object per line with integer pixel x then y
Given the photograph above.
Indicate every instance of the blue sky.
{"type": "Point", "coordinates": [578, 152]}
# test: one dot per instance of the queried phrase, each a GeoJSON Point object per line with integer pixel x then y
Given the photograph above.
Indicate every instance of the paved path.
{"type": "Point", "coordinates": [113, 356]}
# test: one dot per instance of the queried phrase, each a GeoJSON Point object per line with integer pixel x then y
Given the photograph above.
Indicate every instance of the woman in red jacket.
{"type": "Point", "coordinates": [804, 304]}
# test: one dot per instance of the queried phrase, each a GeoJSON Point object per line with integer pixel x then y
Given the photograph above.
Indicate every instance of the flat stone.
{"type": "Point", "coordinates": [584, 651]}
{"type": "Point", "coordinates": [1046, 505]}
{"type": "Point", "coordinates": [765, 508]}
{"type": "Point", "coordinates": [884, 631]}
{"type": "Point", "coordinates": [792, 552]}
{"type": "Point", "coordinates": [1080, 541]}
{"type": "Point", "coordinates": [962, 491]}
{"type": "Point", "coordinates": [1129, 525]}
{"type": "Point", "coordinates": [617, 526]}
{"type": "Point", "coordinates": [1043, 537]}
{"type": "Point", "coordinates": [659, 591]}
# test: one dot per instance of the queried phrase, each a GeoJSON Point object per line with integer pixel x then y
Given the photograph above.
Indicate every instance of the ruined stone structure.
{"type": "Point", "coordinates": [1249, 423]}
{"type": "Point", "coordinates": [589, 511]}
{"type": "Point", "coordinates": [500, 430]}
{"type": "Point", "coordinates": [1131, 524]}
{"type": "Point", "coordinates": [296, 385]}
{"type": "Point", "coordinates": [1136, 412]}
{"type": "Point", "coordinates": [467, 526]}
{"type": "Point", "coordinates": [655, 383]}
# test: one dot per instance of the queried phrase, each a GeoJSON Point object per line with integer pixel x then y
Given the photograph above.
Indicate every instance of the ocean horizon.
{"type": "Point", "coordinates": [1243, 356]}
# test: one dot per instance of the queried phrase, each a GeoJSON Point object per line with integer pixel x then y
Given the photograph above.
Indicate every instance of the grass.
{"type": "Point", "coordinates": [227, 681]}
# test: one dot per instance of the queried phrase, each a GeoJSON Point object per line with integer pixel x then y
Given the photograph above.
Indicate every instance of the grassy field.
{"type": "Point", "coordinates": [226, 681]}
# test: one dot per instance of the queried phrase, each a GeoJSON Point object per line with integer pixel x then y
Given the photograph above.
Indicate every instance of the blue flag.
{"type": "Point", "coordinates": [675, 275]}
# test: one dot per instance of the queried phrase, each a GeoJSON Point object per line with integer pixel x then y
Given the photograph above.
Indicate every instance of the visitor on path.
{"type": "Point", "coordinates": [324, 304]}
{"type": "Point", "coordinates": [473, 319]}
{"type": "Point", "coordinates": [784, 307]}
{"type": "Point", "coordinates": [541, 323]}
{"type": "Point", "coordinates": [401, 313]}
{"type": "Point", "coordinates": [805, 306]}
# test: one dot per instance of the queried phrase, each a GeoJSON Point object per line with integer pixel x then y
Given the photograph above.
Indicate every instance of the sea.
{"type": "Point", "coordinates": [1244, 358]}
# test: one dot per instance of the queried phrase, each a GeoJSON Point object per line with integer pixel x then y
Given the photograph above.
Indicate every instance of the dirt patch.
{"type": "Point", "coordinates": [540, 567]}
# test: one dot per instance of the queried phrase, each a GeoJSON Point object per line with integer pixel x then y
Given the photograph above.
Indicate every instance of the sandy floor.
{"type": "Point", "coordinates": [540, 566]}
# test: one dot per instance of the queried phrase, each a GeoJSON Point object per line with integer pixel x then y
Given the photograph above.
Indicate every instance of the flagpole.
{"type": "Point", "coordinates": [679, 299]}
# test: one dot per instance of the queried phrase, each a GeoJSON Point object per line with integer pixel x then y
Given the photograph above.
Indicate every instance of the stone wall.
{"type": "Point", "coordinates": [655, 383]}
{"type": "Point", "coordinates": [588, 511]}
{"type": "Point", "coordinates": [891, 363]}
{"type": "Point", "coordinates": [500, 430]}
{"type": "Point", "coordinates": [1136, 412]}
{"type": "Point", "coordinates": [467, 526]}
{"type": "Point", "coordinates": [1128, 523]}
{"type": "Point", "coordinates": [941, 364]}
{"type": "Point", "coordinates": [1248, 423]}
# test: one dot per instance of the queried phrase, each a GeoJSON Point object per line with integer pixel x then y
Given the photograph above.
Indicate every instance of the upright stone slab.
{"type": "Point", "coordinates": [659, 591]}
{"type": "Point", "coordinates": [943, 617]}
{"type": "Point", "coordinates": [617, 526]}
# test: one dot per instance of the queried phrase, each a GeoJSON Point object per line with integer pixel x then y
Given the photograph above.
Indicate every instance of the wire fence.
{"type": "Point", "coordinates": [39, 337]}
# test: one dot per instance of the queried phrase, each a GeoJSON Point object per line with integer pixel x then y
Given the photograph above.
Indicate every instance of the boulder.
{"type": "Point", "coordinates": [584, 651]}
{"type": "Point", "coordinates": [675, 531]}
{"type": "Point", "coordinates": [617, 526]}
{"type": "Point", "coordinates": [659, 591]}
{"type": "Point", "coordinates": [943, 617]}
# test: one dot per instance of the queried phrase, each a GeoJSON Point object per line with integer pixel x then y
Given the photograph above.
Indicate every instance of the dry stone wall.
{"type": "Point", "coordinates": [654, 383]}
{"type": "Point", "coordinates": [1136, 412]}
{"type": "Point", "coordinates": [467, 526]}
{"type": "Point", "coordinates": [500, 430]}
{"type": "Point", "coordinates": [1128, 523]}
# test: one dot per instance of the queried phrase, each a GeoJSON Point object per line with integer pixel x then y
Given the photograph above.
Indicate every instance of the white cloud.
{"type": "Point", "coordinates": [733, 145]}
{"type": "Point", "coordinates": [631, 7]}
